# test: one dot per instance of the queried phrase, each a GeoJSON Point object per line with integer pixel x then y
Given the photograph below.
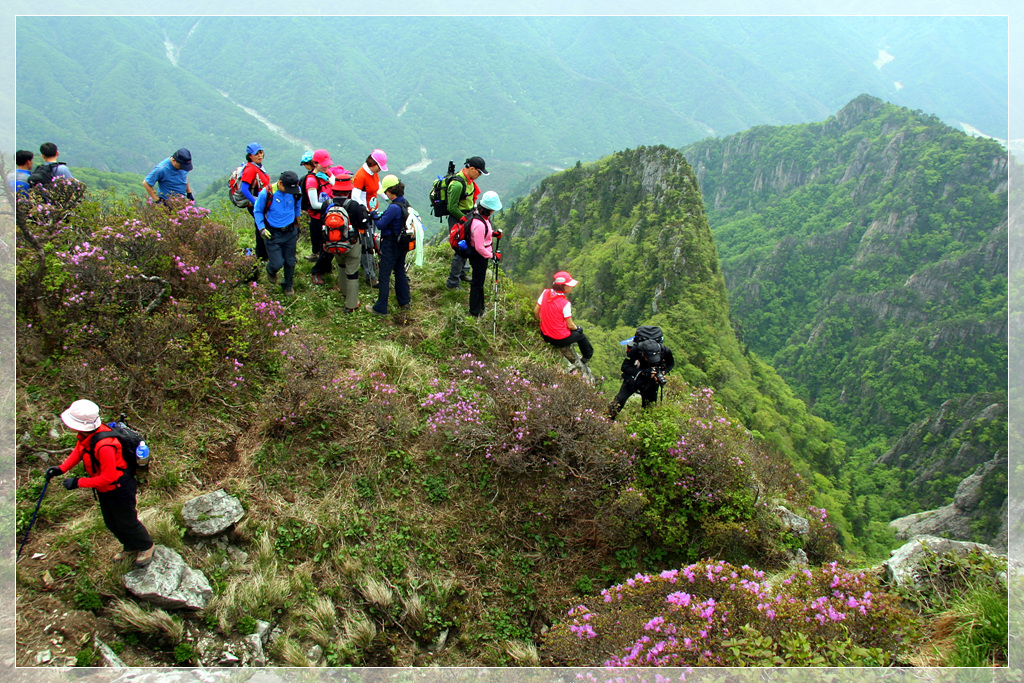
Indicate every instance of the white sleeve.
{"type": "Point", "coordinates": [567, 311]}
{"type": "Point", "coordinates": [359, 196]}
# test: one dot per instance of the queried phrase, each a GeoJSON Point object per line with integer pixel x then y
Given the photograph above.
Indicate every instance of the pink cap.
{"type": "Point", "coordinates": [381, 158]}
{"type": "Point", "coordinates": [563, 278]}
{"type": "Point", "coordinates": [322, 158]}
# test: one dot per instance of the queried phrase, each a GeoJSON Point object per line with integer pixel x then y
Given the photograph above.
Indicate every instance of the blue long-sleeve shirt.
{"type": "Point", "coordinates": [390, 223]}
{"type": "Point", "coordinates": [284, 209]}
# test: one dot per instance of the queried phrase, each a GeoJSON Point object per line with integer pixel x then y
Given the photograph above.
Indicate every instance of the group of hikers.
{"type": "Point", "coordinates": [331, 196]}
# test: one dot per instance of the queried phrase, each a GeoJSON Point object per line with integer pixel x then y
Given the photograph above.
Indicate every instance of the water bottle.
{"type": "Point", "coordinates": [142, 455]}
{"type": "Point", "coordinates": [463, 245]}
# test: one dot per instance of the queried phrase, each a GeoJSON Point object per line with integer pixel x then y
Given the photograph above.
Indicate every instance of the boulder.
{"type": "Point", "coordinates": [211, 513]}
{"type": "Point", "coordinates": [901, 567]}
{"type": "Point", "coordinates": [794, 522]}
{"type": "Point", "coordinates": [169, 582]}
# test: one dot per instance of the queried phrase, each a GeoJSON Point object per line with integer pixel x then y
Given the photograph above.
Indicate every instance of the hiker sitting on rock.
{"type": "Point", "coordinates": [109, 476]}
{"type": "Point", "coordinates": [554, 312]}
{"type": "Point", "coordinates": [644, 368]}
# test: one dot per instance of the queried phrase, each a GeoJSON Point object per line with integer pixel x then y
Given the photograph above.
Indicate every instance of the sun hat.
{"type": "Point", "coordinates": [563, 278]}
{"type": "Point", "coordinates": [83, 416]}
{"type": "Point", "coordinates": [388, 181]}
{"type": "Point", "coordinates": [322, 158]}
{"type": "Point", "coordinates": [381, 158]}
{"type": "Point", "coordinates": [307, 157]}
{"type": "Point", "coordinates": [490, 200]}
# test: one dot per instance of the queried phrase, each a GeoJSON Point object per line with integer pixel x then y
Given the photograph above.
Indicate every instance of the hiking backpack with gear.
{"type": "Point", "coordinates": [439, 192]}
{"type": "Point", "coordinates": [339, 235]}
{"type": "Point", "coordinates": [648, 351]}
{"type": "Point", "coordinates": [410, 220]}
{"type": "Point", "coordinates": [43, 173]}
{"type": "Point", "coordinates": [130, 441]}
{"type": "Point", "coordinates": [235, 187]}
{"type": "Point", "coordinates": [458, 234]}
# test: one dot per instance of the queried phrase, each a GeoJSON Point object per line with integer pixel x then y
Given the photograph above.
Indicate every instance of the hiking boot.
{"type": "Point", "coordinates": [289, 292]}
{"type": "Point", "coordinates": [312, 257]}
{"type": "Point", "coordinates": [349, 311]}
{"type": "Point", "coordinates": [374, 282]}
{"type": "Point", "coordinates": [452, 289]}
{"type": "Point", "coordinates": [317, 278]}
{"type": "Point", "coordinates": [145, 557]}
{"type": "Point", "coordinates": [120, 556]}
{"type": "Point", "coordinates": [465, 278]}
{"type": "Point", "coordinates": [369, 309]}
{"type": "Point", "coordinates": [272, 278]}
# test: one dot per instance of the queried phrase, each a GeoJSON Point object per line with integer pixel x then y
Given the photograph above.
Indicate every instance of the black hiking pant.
{"type": "Point", "coordinates": [644, 384]}
{"type": "Point", "coordinates": [121, 517]}
{"type": "Point", "coordinates": [575, 337]}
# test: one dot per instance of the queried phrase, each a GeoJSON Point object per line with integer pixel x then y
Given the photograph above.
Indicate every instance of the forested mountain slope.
{"type": "Point", "coordinates": [866, 259]}
{"type": "Point", "coordinates": [631, 228]}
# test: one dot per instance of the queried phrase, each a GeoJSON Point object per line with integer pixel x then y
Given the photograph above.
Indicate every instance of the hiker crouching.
{"type": "Point", "coordinates": [109, 476]}
{"type": "Point", "coordinates": [554, 312]}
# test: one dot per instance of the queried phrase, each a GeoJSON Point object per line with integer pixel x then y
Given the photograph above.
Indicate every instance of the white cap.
{"type": "Point", "coordinates": [83, 416]}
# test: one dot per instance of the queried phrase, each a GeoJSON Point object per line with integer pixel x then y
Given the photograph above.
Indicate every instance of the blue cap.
{"type": "Point", "coordinates": [253, 148]}
{"type": "Point", "coordinates": [183, 157]}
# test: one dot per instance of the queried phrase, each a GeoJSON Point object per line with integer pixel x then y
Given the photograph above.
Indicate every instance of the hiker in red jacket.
{"type": "Point", "coordinates": [554, 312]}
{"type": "Point", "coordinates": [108, 476]}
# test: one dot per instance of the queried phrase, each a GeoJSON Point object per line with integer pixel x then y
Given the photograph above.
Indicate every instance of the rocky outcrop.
{"type": "Point", "coordinates": [958, 520]}
{"type": "Point", "coordinates": [901, 567]}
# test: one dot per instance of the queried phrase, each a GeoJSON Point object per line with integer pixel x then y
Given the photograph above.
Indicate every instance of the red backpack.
{"type": "Point", "coordinates": [458, 234]}
{"type": "Point", "coordinates": [339, 235]}
{"type": "Point", "coordinates": [235, 186]}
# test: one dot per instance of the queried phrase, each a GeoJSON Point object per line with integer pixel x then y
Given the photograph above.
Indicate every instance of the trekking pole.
{"type": "Point", "coordinates": [497, 257]}
{"type": "Point", "coordinates": [33, 521]}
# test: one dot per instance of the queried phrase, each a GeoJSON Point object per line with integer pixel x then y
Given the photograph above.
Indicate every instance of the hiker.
{"type": "Point", "coordinates": [348, 263]}
{"type": "Point", "coordinates": [393, 248]}
{"type": "Point", "coordinates": [18, 178]}
{"type": "Point", "coordinates": [277, 211]}
{"type": "Point", "coordinates": [171, 175]}
{"type": "Point", "coordinates": [316, 197]}
{"type": "Point", "coordinates": [644, 368]}
{"type": "Point", "coordinates": [554, 312]}
{"type": "Point", "coordinates": [109, 477]}
{"type": "Point", "coordinates": [365, 187]}
{"type": "Point", "coordinates": [480, 234]}
{"type": "Point", "coordinates": [462, 197]}
{"type": "Point", "coordinates": [254, 179]}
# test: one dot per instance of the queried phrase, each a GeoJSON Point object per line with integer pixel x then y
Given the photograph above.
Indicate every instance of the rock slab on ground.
{"type": "Point", "coordinates": [211, 513]}
{"type": "Point", "coordinates": [169, 582]}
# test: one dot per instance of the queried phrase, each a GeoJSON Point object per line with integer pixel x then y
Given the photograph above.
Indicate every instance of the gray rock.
{"type": "Point", "coordinates": [794, 522]}
{"type": "Point", "coordinates": [902, 565]}
{"type": "Point", "coordinates": [109, 657]}
{"type": "Point", "coordinates": [211, 513]}
{"type": "Point", "coordinates": [263, 630]}
{"type": "Point", "coordinates": [254, 648]}
{"type": "Point", "coordinates": [315, 654]}
{"type": "Point", "coordinates": [228, 658]}
{"type": "Point", "coordinates": [43, 657]}
{"type": "Point", "coordinates": [169, 582]}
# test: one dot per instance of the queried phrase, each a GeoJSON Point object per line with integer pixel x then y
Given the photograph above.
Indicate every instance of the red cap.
{"type": "Point", "coordinates": [563, 278]}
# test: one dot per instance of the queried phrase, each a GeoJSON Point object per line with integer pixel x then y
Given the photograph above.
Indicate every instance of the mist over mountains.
{"type": "Point", "coordinates": [530, 94]}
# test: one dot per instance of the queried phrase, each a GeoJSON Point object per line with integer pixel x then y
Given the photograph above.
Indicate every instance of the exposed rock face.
{"type": "Point", "coordinates": [958, 519]}
{"type": "Point", "coordinates": [169, 582]}
{"type": "Point", "coordinates": [794, 522]}
{"type": "Point", "coordinates": [901, 567]}
{"type": "Point", "coordinates": [211, 513]}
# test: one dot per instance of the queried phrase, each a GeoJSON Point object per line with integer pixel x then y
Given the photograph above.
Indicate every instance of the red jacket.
{"type": "Point", "coordinates": [552, 314]}
{"type": "Point", "coordinates": [105, 466]}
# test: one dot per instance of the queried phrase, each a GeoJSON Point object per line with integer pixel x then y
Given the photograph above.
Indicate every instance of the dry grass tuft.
{"type": "Point", "coordinates": [522, 652]}
{"type": "Point", "coordinates": [129, 615]}
{"type": "Point", "coordinates": [360, 631]}
{"type": "Point", "coordinates": [376, 593]}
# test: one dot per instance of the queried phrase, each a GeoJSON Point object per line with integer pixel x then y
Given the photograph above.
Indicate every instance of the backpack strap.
{"type": "Point", "coordinates": [102, 436]}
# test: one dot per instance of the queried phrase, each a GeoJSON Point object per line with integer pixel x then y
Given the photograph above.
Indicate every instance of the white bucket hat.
{"type": "Point", "coordinates": [83, 416]}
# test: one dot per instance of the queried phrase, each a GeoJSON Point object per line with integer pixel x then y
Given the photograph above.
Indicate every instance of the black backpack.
{"type": "Point", "coordinates": [129, 439]}
{"type": "Point", "coordinates": [647, 347]}
{"type": "Point", "coordinates": [439, 192]}
{"type": "Point", "coordinates": [43, 173]}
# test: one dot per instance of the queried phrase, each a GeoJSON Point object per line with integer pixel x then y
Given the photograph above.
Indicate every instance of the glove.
{"type": "Point", "coordinates": [52, 472]}
{"type": "Point", "coordinates": [71, 483]}
{"type": "Point", "coordinates": [497, 234]}
{"type": "Point", "coordinates": [191, 197]}
{"type": "Point", "coordinates": [266, 233]}
{"type": "Point", "coordinates": [579, 328]}
{"type": "Point", "coordinates": [497, 256]}
{"type": "Point", "coordinates": [325, 200]}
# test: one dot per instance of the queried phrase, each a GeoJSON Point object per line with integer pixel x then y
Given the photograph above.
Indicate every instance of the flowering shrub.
{"type": "Point", "coordinates": [154, 306]}
{"type": "Point", "coordinates": [711, 487]}
{"type": "Point", "coordinates": [716, 614]}
{"type": "Point", "coordinates": [523, 420]}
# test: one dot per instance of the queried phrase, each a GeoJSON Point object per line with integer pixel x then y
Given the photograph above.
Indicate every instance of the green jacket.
{"type": "Point", "coordinates": [463, 198]}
